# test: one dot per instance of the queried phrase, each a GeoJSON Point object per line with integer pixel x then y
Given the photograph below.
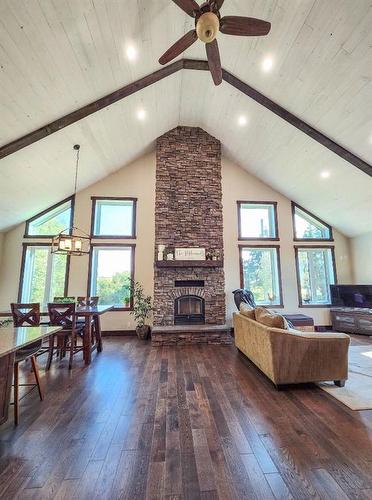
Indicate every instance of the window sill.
{"type": "Point", "coordinates": [113, 237]}
{"type": "Point", "coordinates": [312, 306]}
{"type": "Point", "coordinates": [313, 240]}
{"type": "Point", "coordinates": [243, 238]}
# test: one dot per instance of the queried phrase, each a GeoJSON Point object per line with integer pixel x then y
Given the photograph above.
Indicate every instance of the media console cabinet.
{"type": "Point", "coordinates": [352, 320]}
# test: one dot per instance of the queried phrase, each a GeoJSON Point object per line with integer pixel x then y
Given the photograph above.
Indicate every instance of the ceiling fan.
{"type": "Point", "coordinates": [208, 23]}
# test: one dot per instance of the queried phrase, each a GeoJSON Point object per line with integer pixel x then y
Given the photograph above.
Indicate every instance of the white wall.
{"type": "Point", "coordinates": [361, 252]}
{"type": "Point", "coordinates": [138, 180]}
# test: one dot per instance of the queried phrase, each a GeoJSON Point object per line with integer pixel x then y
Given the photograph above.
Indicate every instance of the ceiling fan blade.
{"type": "Point", "coordinates": [177, 48]}
{"type": "Point", "coordinates": [244, 26]}
{"type": "Point", "coordinates": [188, 6]}
{"type": "Point", "coordinates": [219, 3]}
{"type": "Point", "coordinates": [214, 61]}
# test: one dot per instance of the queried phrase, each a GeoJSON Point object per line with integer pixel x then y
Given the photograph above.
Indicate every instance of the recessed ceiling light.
{"type": "Point", "coordinates": [267, 64]}
{"type": "Point", "coordinates": [325, 174]}
{"type": "Point", "coordinates": [131, 53]}
{"type": "Point", "coordinates": [141, 114]}
{"type": "Point", "coordinates": [242, 120]}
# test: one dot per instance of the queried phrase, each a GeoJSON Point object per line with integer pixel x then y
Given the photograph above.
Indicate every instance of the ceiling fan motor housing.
{"type": "Point", "coordinates": [207, 27]}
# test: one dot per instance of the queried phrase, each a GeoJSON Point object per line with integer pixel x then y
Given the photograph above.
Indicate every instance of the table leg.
{"type": "Point", "coordinates": [98, 331]}
{"type": "Point", "coordinates": [6, 379]}
{"type": "Point", "coordinates": [87, 344]}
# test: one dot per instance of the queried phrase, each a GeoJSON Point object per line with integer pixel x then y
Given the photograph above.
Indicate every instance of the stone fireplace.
{"type": "Point", "coordinates": [188, 214]}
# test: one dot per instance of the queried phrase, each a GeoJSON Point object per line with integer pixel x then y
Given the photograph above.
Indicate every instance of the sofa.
{"type": "Point", "coordinates": [288, 356]}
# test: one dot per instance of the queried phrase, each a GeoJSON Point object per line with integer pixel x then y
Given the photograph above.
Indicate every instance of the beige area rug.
{"type": "Point", "coordinates": [357, 393]}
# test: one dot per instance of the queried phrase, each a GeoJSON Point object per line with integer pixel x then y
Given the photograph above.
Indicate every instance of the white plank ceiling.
{"type": "Point", "coordinates": [57, 55]}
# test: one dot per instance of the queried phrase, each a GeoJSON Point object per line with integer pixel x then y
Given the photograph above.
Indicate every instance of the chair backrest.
{"type": "Point", "coordinates": [63, 300]}
{"type": "Point", "coordinates": [87, 301]}
{"type": "Point", "coordinates": [26, 313]}
{"type": "Point", "coordinates": [62, 314]}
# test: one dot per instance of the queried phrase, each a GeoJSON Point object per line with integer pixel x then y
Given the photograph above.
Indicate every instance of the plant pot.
{"type": "Point", "coordinates": [143, 332]}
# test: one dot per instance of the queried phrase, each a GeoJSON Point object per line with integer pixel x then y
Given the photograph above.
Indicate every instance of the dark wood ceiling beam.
{"type": "Point", "coordinates": [304, 127]}
{"type": "Point", "coordinates": [162, 73]}
{"type": "Point", "coordinates": [89, 109]}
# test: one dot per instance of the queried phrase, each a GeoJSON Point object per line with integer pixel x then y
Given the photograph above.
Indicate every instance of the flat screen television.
{"type": "Point", "coordinates": [351, 296]}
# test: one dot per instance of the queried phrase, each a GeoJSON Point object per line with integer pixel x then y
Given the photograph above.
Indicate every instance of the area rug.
{"type": "Point", "coordinates": [357, 393]}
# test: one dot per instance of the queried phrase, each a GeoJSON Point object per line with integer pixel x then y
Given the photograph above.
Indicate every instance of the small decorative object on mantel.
{"type": "Point", "coordinates": [161, 249]}
{"type": "Point", "coordinates": [142, 308]}
{"type": "Point", "coordinates": [72, 240]}
{"type": "Point", "coordinates": [190, 253]}
{"type": "Point", "coordinates": [170, 255]}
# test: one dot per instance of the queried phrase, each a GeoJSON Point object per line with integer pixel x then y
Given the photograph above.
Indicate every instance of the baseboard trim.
{"type": "Point", "coordinates": [118, 333]}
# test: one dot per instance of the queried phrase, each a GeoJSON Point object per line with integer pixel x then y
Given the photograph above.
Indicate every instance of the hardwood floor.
{"type": "Point", "coordinates": [184, 422]}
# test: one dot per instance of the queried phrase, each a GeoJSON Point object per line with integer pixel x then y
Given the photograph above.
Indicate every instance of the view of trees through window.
{"type": "Point", "coordinates": [316, 273]}
{"type": "Point", "coordinates": [53, 222]}
{"type": "Point", "coordinates": [308, 227]}
{"type": "Point", "coordinates": [260, 270]}
{"type": "Point", "coordinates": [44, 275]}
{"type": "Point", "coordinates": [111, 274]}
{"type": "Point", "coordinates": [257, 220]}
{"type": "Point", "coordinates": [114, 217]}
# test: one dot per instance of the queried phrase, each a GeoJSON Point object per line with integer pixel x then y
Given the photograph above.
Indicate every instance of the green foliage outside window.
{"type": "Point", "coordinates": [114, 290]}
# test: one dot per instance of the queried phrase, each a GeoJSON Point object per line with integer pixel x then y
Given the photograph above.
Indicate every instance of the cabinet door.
{"type": "Point", "coordinates": [364, 324]}
{"type": "Point", "coordinates": [344, 322]}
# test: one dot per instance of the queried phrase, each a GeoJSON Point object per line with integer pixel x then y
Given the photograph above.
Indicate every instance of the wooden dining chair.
{"type": "Point", "coordinates": [95, 323]}
{"type": "Point", "coordinates": [64, 300]}
{"type": "Point", "coordinates": [64, 315]}
{"type": "Point", "coordinates": [87, 301]}
{"type": "Point", "coordinates": [26, 315]}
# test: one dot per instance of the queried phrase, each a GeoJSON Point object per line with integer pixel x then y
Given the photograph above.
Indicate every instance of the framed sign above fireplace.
{"type": "Point", "coordinates": [189, 253]}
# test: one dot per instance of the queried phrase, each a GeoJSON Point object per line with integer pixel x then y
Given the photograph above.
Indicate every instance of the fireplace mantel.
{"type": "Point", "coordinates": [189, 263]}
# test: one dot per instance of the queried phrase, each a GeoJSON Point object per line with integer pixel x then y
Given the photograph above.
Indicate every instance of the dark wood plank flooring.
{"type": "Point", "coordinates": [196, 422]}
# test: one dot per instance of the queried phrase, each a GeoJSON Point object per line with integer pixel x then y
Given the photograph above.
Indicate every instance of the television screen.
{"type": "Point", "coordinates": [351, 296]}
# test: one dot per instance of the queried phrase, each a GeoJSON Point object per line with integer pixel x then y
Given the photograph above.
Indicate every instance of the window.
{"type": "Point", "coordinates": [52, 221]}
{"type": "Point", "coordinates": [308, 227]}
{"type": "Point", "coordinates": [43, 274]}
{"type": "Point", "coordinates": [315, 273]}
{"type": "Point", "coordinates": [257, 220]}
{"type": "Point", "coordinates": [111, 269]}
{"type": "Point", "coordinates": [260, 273]}
{"type": "Point", "coordinates": [114, 217]}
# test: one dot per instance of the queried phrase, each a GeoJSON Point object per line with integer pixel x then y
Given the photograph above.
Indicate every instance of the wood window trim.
{"type": "Point", "coordinates": [133, 236]}
{"type": "Point", "coordinates": [277, 248]}
{"type": "Point", "coordinates": [23, 262]}
{"type": "Point", "coordinates": [276, 225]}
{"type": "Point", "coordinates": [132, 270]}
{"type": "Point", "coordinates": [330, 229]}
{"type": "Point", "coordinates": [305, 247]}
{"type": "Point", "coordinates": [44, 212]}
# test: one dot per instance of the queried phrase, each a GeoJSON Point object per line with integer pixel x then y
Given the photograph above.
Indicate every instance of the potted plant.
{"type": "Point", "coordinates": [127, 301]}
{"type": "Point", "coordinates": [142, 309]}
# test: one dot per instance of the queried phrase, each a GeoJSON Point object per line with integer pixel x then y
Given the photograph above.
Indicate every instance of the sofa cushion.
{"type": "Point", "coordinates": [247, 310]}
{"type": "Point", "coordinates": [271, 319]}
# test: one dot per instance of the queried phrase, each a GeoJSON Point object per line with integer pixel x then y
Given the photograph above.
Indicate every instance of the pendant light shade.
{"type": "Point", "coordinates": [72, 240]}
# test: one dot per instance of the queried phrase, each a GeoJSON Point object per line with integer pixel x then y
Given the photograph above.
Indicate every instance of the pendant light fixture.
{"type": "Point", "coordinates": [72, 240]}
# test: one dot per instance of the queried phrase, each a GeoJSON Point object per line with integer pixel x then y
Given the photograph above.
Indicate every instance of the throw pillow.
{"type": "Point", "coordinates": [268, 318]}
{"type": "Point", "coordinates": [247, 310]}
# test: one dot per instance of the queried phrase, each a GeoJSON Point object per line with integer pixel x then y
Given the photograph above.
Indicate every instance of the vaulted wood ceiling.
{"type": "Point", "coordinates": [58, 55]}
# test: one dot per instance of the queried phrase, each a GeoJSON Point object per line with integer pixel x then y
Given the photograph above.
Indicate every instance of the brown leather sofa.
{"type": "Point", "coordinates": [292, 357]}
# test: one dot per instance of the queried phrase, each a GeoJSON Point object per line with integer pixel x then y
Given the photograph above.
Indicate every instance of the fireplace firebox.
{"type": "Point", "coordinates": [189, 310]}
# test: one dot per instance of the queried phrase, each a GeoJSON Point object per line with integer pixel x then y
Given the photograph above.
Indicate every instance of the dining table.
{"type": "Point", "coordinates": [92, 316]}
{"type": "Point", "coordinates": [11, 340]}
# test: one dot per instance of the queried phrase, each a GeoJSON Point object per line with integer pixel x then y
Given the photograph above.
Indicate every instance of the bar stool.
{"type": "Point", "coordinates": [29, 314]}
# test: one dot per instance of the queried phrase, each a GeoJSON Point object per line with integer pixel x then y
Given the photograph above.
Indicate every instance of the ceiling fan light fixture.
{"type": "Point", "coordinates": [207, 27]}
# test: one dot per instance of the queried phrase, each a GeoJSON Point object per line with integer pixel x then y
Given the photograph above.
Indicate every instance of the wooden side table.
{"type": "Point", "coordinates": [301, 322]}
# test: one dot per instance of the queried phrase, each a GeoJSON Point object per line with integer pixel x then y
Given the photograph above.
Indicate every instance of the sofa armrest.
{"type": "Point", "coordinates": [309, 357]}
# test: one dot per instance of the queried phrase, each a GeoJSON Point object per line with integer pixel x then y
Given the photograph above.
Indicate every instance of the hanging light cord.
{"type": "Point", "coordinates": [77, 149]}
